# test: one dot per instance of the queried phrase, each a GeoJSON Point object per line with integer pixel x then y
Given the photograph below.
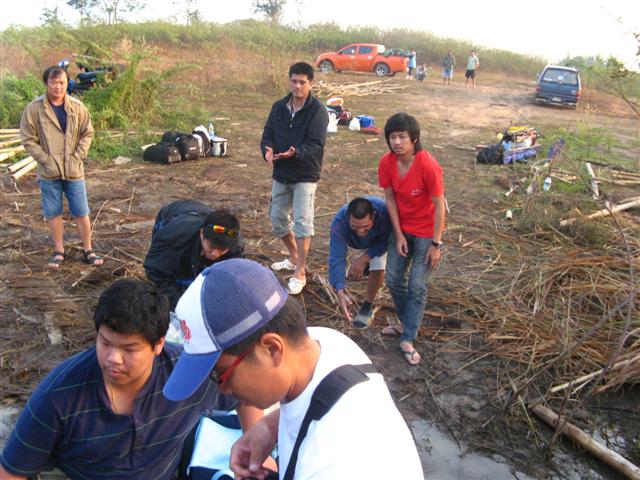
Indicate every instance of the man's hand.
{"type": "Point", "coordinates": [345, 303]}
{"type": "Point", "coordinates": [401, 246]}
{"type": "Point", "coordinates": [433, 256]}
{"type": "Point", "coordinates": [252, 449]}
{"type": "Point", "coordinates": [288, 154]}
{"type": "Point", "coordinates": [356, 269]}
{"type": "Point", "coordinates": [268, 156]}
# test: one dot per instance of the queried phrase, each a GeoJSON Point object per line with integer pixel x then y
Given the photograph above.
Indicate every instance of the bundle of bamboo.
{"type": "Point", "coordinates": [9, 148]}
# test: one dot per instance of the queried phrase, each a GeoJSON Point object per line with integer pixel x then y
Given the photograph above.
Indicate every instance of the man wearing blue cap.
{"type": "Point", "coordinates": [244, 331]}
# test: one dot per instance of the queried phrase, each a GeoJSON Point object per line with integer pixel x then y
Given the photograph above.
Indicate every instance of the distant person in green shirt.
{"type": "Point", "coordinates": [448, 64]}
{"type": "Point", "coordinates": [472, 65]}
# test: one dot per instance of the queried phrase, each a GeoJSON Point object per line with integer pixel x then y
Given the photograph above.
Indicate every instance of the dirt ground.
{"type": "Point", "coordinates": [453, 396]}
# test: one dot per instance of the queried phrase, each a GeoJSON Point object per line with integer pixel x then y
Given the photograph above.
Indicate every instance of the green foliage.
{"type": "Point", "coordinates": [106, 146]}
{"type": "Point", "coordinates": [15, 94]}
{"type": "Point", "coordinates": [266, 38]}
{"type": "Point", "coordinates": [126, 102]}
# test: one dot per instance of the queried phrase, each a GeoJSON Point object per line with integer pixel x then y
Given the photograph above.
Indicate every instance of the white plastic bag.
{"type": "Point", "coordinates": [332, 126]}
{"type": "Point", "coordinates": [354, 124]}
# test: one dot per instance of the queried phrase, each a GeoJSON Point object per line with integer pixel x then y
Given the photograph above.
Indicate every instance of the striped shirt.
{"type": "Point", "coordinates": [68, 423]}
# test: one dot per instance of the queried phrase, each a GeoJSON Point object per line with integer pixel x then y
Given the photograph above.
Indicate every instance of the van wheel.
{"type": "Point", "coordinates": [326, 66]}
{"type": "Point", "coordinates": [381, 69]}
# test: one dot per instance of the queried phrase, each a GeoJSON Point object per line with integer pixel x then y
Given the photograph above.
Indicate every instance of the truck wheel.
{"type": "Point", "coordinates": [381, 69]}
{"type": "Point", "coordinates": [326, 66]}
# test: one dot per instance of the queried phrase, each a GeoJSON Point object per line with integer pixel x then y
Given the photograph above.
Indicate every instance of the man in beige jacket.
{"type": "Point", "coordinates": [56, 130]}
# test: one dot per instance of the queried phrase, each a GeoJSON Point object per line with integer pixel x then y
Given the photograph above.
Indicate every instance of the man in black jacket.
{"type": "Point", "coordinates": [187, 237]}
{"type": "Point", "coordinates": [293, 145]}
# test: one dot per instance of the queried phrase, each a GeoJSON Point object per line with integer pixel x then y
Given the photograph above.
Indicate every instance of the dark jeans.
{"type": "Point", "coordinates": [407, 281]}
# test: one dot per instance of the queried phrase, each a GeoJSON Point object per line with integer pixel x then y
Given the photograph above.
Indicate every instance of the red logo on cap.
{"type": "Point", "coordinates": [185, 330]}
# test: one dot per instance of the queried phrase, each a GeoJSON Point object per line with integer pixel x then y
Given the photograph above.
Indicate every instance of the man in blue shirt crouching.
{"type": "Point", "coordinates": [362, 225]}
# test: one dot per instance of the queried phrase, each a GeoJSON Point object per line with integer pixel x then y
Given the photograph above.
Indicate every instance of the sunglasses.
{"type": "Point", "coordinates": [229, 232]}
{"type": "Point", "coordinates": [226, 374]}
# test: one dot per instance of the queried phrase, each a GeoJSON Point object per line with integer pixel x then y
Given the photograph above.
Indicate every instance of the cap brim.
{"type": "Point", "coordinates": [188, 374]}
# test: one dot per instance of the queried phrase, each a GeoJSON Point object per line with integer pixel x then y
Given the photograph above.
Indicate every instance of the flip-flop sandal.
{"type": "Point", "coordinates": [92, 258]}
{"type": "Point", "coordinates": [412, 357]}
{"type": "Point", "coordinates": [56, 259]}
{"type": "Point", "coordinates": [392, 331]}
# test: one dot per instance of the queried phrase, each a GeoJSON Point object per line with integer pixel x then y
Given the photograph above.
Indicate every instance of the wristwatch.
{"type": "Point", "coordinates": [436, 244]}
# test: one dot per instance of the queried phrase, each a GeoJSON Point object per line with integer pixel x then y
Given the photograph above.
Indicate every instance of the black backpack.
{"type": "Point", "coordinates": [189, 147]}
{"type": "Point", "coordinates": [172, 136]}
{"type": "Point", "coordinates": [327, 393]}
{"type": "Point", "coordinates": [491, 154]}
{"type": "Point", "coordinates": [164, 153]}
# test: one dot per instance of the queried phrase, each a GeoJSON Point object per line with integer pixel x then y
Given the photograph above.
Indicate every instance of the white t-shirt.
{"type": "Point", "coordinates": [363, 436]}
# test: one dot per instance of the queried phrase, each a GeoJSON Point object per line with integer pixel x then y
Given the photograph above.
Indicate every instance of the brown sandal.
{"type": "Point", "coordinates": [56, 259]}
{"type": "Point", "coordinates": [92, 258]}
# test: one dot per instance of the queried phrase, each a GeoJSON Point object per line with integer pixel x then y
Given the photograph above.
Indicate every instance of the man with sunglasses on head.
{"type": "Point", "coordinates": [188, 236]}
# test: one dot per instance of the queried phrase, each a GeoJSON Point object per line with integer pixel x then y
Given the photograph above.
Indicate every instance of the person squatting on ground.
{"type": "Point", "coordinates": [448, 64]}
{"type": "Point", "coordinates": [362, 225]}
{"type": "Point", "coordinates": [187, 237]}
{"type": "Point", "coordinates": [251, 336]}
{"type": "Point", "coordinates": [56, 131]}
{"type": "Point", "coordinates": [421, 72]}
{"type": "Point", "coordinates": [414, 193]}
{"type": "Point", "coordinates": [100, 414]}
{"type": "Point", "coordinates": [473, 63]}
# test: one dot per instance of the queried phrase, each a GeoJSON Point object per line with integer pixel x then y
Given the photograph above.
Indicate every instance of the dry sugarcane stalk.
{"type": "Point", "coordinates": [24, 170]}
{"type": "Point", "coordinates": [594, 185]}
{"type": "Point", "coordinates": [611, 458]}
{"type": "Point", "coordinates": [20, 164]}
{"type": "Point", "coordinates": [11, 141]}
{"type": "Point", "coordinates": [586, 378]}
{"type": "Point", "coordinates": [602, 213]}
{"type": "Point", "coordinates": [10, 130]}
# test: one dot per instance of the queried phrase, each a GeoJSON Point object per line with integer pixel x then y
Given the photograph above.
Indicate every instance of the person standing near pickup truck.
{"type": "Point", "coordinates": [412, 64]}
{"type": "Point", "coordinates": [293, 145]}
{"type": "Point", "coordinates": [473, 63]}
{"type": "Point", "coordinates": [448, 65]}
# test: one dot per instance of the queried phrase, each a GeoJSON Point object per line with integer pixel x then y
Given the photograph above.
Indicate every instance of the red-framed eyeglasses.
{"type": "Point", "coordinates": [226, 374]}
{"type": "Point", "coordinates": [229, 232]}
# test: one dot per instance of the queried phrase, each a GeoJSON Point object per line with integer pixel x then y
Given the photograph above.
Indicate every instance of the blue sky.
{"type": "Point", "coordinates": [550, 28]}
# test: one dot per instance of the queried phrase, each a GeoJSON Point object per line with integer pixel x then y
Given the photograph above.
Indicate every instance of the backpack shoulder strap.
{"type": "Point", "coordinates": [326, 394]}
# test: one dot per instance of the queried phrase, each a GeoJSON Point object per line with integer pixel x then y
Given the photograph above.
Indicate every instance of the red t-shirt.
{"type": "Point", "coordinates": [413, 192]}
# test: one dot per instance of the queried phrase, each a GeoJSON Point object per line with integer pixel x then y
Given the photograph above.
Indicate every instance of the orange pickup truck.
{"type": "Point", "coordinates": [362, 57]}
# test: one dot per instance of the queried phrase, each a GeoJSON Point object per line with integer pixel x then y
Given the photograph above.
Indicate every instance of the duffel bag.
{"type": "Point", "coordinates": [189, 147]}
{"type": "Point", "coordinates": [203, 141]}
{"type": "Point", "coordinates": [164, 153]}
{"type": "Point", "coordinates": [172, 137]}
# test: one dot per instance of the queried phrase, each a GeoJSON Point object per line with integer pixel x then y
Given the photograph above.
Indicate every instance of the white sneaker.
{"type": "Point", "coordinates": [296, 285]}
{"type": "Point", "coordinates": [283, 265]}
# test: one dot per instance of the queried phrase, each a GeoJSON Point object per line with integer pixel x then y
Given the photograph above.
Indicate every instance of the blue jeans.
{"type": "Point", "coordinates": [52, 197]}
{"type": "Point", "coordinates": [407, 281]}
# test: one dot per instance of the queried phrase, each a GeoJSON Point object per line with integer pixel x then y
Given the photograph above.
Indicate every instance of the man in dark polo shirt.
{"type": "Point", "coordinates": [101, 413]}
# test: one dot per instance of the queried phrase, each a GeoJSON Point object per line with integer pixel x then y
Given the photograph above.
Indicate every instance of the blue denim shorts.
{"type": "Point", "coordinates": [52, 197]}
{"type": "Point", "coordinates": [292, 200]}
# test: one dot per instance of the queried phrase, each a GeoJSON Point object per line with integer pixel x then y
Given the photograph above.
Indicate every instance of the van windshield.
{"type": "Point", "coordinates": [560, 76]}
